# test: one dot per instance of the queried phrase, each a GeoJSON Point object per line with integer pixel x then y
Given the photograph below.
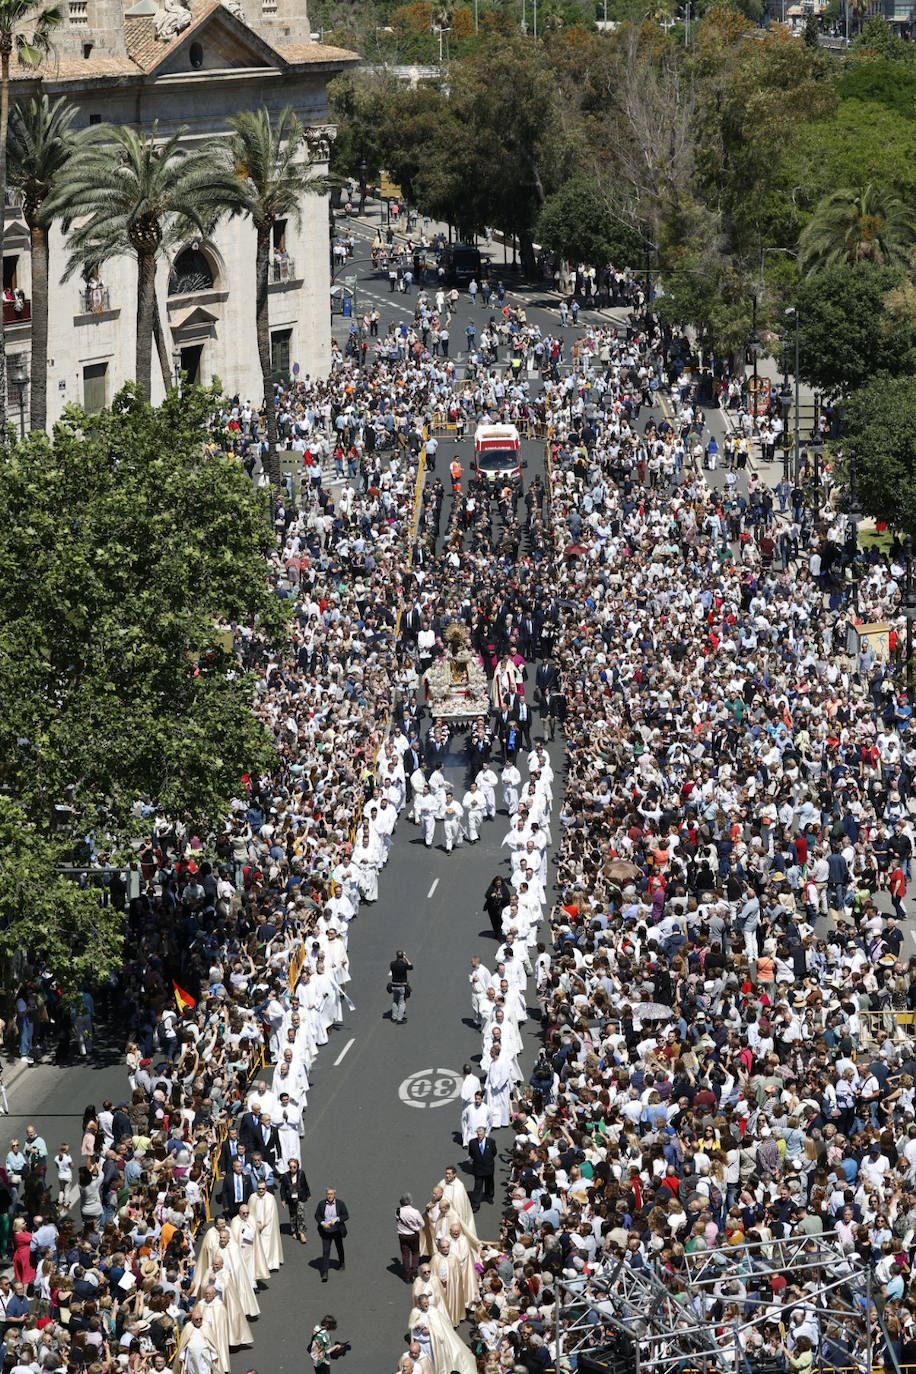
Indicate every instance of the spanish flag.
{"type": "Point", "coordinates": [184, 999]}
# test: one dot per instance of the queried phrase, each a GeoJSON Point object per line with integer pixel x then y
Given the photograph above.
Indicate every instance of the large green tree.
{"type": "Point", "coordinates": [41, 141]}
{"type": "Point", "coordinates": [26, 29]}
{"type": "Point", "coordinates": [866, 225]}
{"type": "Point", "coordinates": [135, 194]}
{"type": "Point", "coordinates": [847, 334]}
{"type": "Point", "coordinates": [879, 426]}
{"type": "Point", "coordinates": [128, 545]}
{"type": "Point", "coordinates": [581, 222]}
{"type": "Point", "coordinates": [266, 178]}
{"type": "Point", "coordinates": [46, 916]}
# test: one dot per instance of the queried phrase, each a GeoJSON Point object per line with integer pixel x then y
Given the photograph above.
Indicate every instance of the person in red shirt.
{"type": "Point", "coordinates": [898, 892]}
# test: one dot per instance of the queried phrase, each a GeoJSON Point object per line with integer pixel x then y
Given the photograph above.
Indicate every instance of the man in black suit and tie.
{"type": "Point", "coordinates": [332, 1216]}
{"type": "Point", "coordinates": [236, 1189]}
{"type": "Point", "coordinates": [249, 1128]}
{"type": "Point", "coordinates": [522, 712]}
{"type": "Point", "coordinates": [267, 1141]}
{"type": "Point", "coordinates": [482, 1153]}
{"type": "Point", "coordinates": [412, 758]}
{"type": "Point", "coordinates": [231, 1149]}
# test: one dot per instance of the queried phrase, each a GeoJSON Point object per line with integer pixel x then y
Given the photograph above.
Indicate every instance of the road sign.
{"type": "Point", "coordinates": [389, 188]}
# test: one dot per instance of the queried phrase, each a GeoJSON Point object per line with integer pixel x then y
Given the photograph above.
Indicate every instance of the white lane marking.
{"type": "Point", "coordinates": [436, 884]}
{"type": "Point", "coordinates": [912, 935]}
{"type": "Point", "coordinates": [430, 1088]}
{"type": "Point", "coordinates": [339, 1058]}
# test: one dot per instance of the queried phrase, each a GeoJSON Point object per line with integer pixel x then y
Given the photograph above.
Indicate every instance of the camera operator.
{"type": "Point", "coordinates": [323, 1348]}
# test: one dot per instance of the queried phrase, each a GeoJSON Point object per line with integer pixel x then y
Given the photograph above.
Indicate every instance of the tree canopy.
{"type": "Point", "coordinates": [129, 544]}
{"type": "Point", "coordinates": [46, 915]}
{"type": "Point", "coordinates": [879, 426]}
{"type": "Point", "coordinates": [847, 332]}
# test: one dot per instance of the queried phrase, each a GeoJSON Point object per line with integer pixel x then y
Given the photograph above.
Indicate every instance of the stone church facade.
{"type": "Point", "coordinates": [192, 64]}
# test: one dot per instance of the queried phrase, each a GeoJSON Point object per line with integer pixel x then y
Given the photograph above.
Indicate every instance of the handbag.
{"type": "Point", "coordinates": [389, 987]}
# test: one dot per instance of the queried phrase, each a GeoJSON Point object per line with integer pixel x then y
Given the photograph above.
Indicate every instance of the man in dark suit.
{"type": "Point", "coordinates": [436, 749]}
{"type": "Point", "coordinates": [332, 1216]}
{"type": "Point", "coordinates": [236, 1189]}
{"type": "Point", "coordinates": [267, 1141]}
{"type": "Point", "coordinates": [522, 712]}
{"type": "Point", "coordinates": [249, 1129]}
{"type": "Point", "coordinates": [230, 1150]}
{"type": "Point", "coordinates": [482, 1154]}
{"type": "Point", "coordinates": [412, 758]}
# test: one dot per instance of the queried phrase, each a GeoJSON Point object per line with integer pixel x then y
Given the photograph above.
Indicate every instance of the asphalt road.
{"type": "Point", "coordinates": [383, 1109]}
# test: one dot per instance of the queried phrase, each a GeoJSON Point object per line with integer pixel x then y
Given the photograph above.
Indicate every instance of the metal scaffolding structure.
{"type": "Point", "coordinates": [690, 1321]}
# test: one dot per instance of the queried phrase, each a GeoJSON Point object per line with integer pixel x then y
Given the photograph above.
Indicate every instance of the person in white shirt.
{"type": "Point", "coordinates": [427, 814]}
{"type": "Point", "coordinates": [511, 781]}
{"type": "Point", "coordinates": [487, 781]}
{"type": "Point", "coordinates": [474, 809]}
{"type": "Point", "coordinates": [453, 816]}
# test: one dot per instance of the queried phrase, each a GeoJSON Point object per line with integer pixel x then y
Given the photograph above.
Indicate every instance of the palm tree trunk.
{"type": "Point", "coordinates": [39, 406]}
{"type": "Point", "coordinates": [165, 362]}
{"type": "Point", "coordinates": [5, 50]}
{"type": "Point", "coordinates": [146, 304]}
{"type": "Point", "coordinates": [262, 330]}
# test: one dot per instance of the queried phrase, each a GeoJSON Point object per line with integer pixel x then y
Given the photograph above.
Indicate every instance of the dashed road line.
{"type": "Point", "coordinates": [340, 1057]}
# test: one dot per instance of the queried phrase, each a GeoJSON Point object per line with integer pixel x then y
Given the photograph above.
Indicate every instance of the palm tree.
{"type": "Point", "coordinates": [41, 140]}
{"type": "Point", "coordinates": [135, 195]}
{"type": "Point", "coordinates": [870, 225]}
{"type": "Point", "coordinates": [16, 17]}
{"type": "Point", "coordinates": [267, 177]}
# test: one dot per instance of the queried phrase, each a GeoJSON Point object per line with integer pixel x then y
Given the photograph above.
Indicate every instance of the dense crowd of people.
{"type": "Point", "coordinates": [236, 962]}
{"type": "Point", "coordinates": [722, 1071]}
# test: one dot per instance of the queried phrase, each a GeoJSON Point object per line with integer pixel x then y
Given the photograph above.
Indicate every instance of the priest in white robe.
{"type": "Point", "coordinates": [475, 1114]}
{"type": "Point", "coordinates": [464, 1256]}
{"type": "Point", "coordinates": [456, 1195]}
{"type": "Point", "coordinates": [288, 1122]}
{"type": "Point", "coordinates": [216, 1326]}
{"type": "Point", "coordinates": [498, 1089]}
{"type": "Point", "coordinates": [223, 1280]}
{"type": "Point", "coordinates": [196, 1353]}
{"type": "Point", "coordinates": [311, 999]}
{"type": "Point", "coordinates": [266, 1217]}
{"type": "Point", "coordinates": [449, 1352]}
{"type": "Point", "coordinates": [248, 1238]}
{"type": "Point", "coordinates": [232, 1258]}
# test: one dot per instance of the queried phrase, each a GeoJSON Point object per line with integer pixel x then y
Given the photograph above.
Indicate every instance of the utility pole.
{"type": "Point", "coordinates": [755, 349]}
{"type": "Point", "coordinates": [687, 24]}
{"type": "Point", "coordinates": [793, 311]}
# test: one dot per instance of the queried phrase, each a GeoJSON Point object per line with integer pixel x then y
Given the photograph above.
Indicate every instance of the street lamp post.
{"type": "Point", "coordinates": [853, 515]}
{"type": "Point", "coordinates": [909, 611]}
{"type": "Point", "coordinates": [794, 312]}
{"type": "Point", "coordinates": [817, 450]}
{"type": "Point", "coordinates": [19, 378]}
{"type": "Point", "coordinates": [785, 401]}
{"type": "Point", "coordinates": [362, 186]}
{"type": "Point", "coordinates": [754, 346]}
